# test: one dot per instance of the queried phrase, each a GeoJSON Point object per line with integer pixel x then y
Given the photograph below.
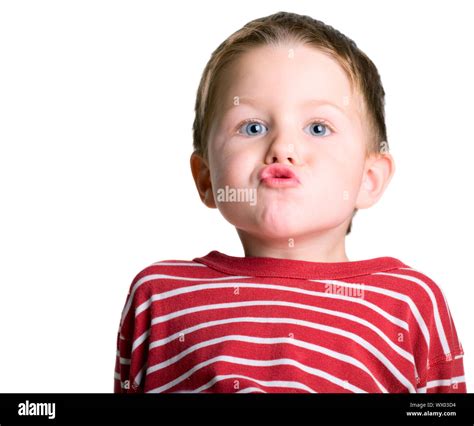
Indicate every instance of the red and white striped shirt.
{"type": "Point", "coordinates": [225, 324]}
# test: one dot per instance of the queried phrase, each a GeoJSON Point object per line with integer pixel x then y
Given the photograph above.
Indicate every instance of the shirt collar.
{"type": "Point", "coordinates": [289, 268]}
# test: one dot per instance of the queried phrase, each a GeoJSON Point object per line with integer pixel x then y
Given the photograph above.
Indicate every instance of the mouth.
{"type": "Point", "coordinates": [279, 176]}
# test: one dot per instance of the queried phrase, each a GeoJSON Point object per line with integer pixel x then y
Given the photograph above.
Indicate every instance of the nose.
{"type": "Point", "coordinates": [282, 149]}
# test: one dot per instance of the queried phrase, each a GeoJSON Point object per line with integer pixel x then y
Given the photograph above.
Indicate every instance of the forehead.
{"type": "Point", "coordinates": [287, 74]}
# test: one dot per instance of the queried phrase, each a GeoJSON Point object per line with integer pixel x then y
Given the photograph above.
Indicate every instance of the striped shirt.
{"type": "Point", "coordinates": [225, 324]}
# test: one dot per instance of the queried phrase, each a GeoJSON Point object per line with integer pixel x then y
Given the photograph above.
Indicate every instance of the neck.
{"type": "Point", "coordinates": [322, 246]}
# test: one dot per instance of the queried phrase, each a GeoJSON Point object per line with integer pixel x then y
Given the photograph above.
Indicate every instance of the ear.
{"type": "Point", "coordinates": [378, 172]}
{"type": "Point", "coordinates": [202, 179]}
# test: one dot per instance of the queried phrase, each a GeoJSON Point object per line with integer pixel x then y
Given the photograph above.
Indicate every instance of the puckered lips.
{"type": "Point", "coordinates": [278, 176]}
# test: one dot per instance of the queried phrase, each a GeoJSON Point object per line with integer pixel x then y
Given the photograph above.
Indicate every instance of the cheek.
{"type": "Point", "coordinates": [233, 170]}
{"type": "Point", "coordinates": [335, 184]}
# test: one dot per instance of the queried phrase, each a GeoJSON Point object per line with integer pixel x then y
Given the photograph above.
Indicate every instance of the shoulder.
{"type": "Point", "coordinates": [169, 267]}
{"type": "Point", "coordinates": [421, 294]}
{"type": "Point", "coordinates": [166, 271]}
{"type": "Point", "coordinates": [170, 274]}
{"type": "Point", "coordinates": [429, 306]}
{"type": "Point", "coordinates": [414, 283]}
{"type": "Point", "coordinates": [158, 277]}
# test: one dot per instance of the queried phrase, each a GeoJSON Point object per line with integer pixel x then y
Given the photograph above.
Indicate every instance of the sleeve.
{"type": "Point", "coordinates": [444, 372]}
{"type": "Point", "coordinates": [122, 366]}
{"type": "Point", "coordinates": [131, 350]}
{"type": "Point", "coordinates": [447, 376]}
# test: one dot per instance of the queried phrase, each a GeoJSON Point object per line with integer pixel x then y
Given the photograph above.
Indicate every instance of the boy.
{"type": "Point", "coordinates": [289, 142]}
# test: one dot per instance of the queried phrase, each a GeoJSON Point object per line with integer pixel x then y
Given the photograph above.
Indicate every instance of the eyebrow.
{"type": "Point", "coordinates": [255, 103]}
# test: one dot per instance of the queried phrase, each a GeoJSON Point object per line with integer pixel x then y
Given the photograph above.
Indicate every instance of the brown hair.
{"type": "Point", "coordinates": [279, 28]}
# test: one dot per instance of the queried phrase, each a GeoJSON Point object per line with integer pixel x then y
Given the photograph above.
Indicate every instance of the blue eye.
{"type": "Point", "coordinates": [253, 128]}
{"type": "Point", "coordinates": [319, 129]}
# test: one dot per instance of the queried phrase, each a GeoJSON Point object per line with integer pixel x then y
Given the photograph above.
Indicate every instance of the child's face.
{"type": "Point", "coordinates": [329, 160]}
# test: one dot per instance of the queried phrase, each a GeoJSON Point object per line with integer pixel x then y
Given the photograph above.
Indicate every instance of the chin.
{"type": "Point", "coordinates": [278, 228]}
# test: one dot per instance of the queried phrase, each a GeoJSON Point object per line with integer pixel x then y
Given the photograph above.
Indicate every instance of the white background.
{"type": "Point", "coordinates": [96, 111]}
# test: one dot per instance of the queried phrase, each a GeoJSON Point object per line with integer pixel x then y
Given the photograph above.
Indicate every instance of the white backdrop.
{"type": "Point", "coordinates": [96, 111]}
